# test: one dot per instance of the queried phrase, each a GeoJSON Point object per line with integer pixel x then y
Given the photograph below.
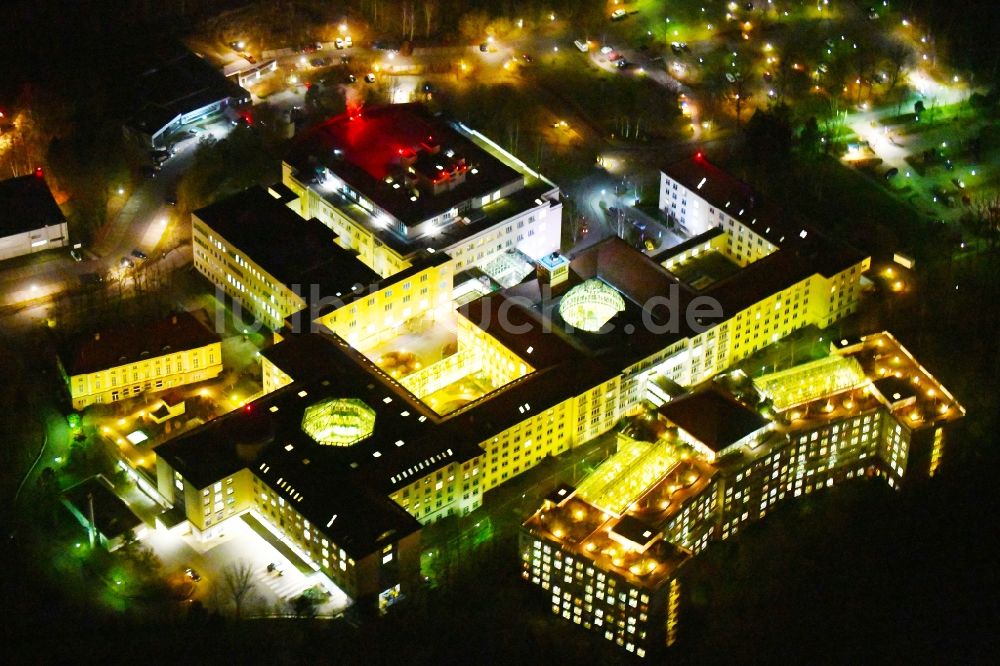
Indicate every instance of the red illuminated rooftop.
{"type": "Point", "coordinates": [409, 163]}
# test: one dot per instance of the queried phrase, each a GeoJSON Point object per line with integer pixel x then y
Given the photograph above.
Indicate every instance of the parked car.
{"type": "Point", "coordinates": [192, 574]}
{"type": "Point", "coordinates": [125, 262]}
{"type": "Point", "coordinates": [161, 155]}
{"type": "Point", "coordinates": [139, 254]}
{"type": "Point", "coordinates": [76, 255]}
{"type": "Point", "coordinates": [618, 14]}
{"type": "Point", "coordinates": [339, 43]}
{"type": "Point", "coordinates": [369, 77]}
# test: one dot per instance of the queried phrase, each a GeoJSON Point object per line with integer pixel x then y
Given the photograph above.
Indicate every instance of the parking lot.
{"type": "Point", "coordinates": [272, 592]}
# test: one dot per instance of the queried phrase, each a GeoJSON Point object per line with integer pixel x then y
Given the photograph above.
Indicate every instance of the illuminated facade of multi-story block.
{"type": "Point", "coordinates": [126, 362]}
{"type": "Point", "coordinates": [699, 467]}
{"type": "Point", "coordinates": [258, 251]}
{"type": "Point", "coordinates": [470, 386]}
{"type": "Point", "coordinates": [771, 275]}
{"type": "Point", "coordinates": [391, 181]}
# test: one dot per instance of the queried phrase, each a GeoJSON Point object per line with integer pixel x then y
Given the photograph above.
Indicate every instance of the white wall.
{"type": "Point", "coordinates": [56, 236]}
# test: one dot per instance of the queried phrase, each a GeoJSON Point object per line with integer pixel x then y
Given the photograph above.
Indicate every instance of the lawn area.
{"type": "Point", "coordinates": [851, 206]}
{"type": "Point", "coordinates": [611, 102]}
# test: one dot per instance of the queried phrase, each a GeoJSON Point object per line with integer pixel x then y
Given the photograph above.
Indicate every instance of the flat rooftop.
{"type": "Point", "coordinates": [875, 371]}
{"type": "Point", "coordinates": [408, 440]}
{"type": "Point", "coordinates": [803, 250]}
{"type": "Point", "coordinates": [111, 347]}
{"type": "Point", "coordinates": [112, 516]}
{"type": "Point", "coordinates": [170, 81]}
{"type": "Point", "coordinates": [26, 204]}
{"type": "Point", "coordinates": [293, 250]}
{"type": "Point", "coordinates": [708, 268]}
{"type": "Point", "coordinates": [641, 282]}
{"type": "Point", "coordinates": [627, 545]}
{"type": "Point", "coordinates": [713, 417]}
{"type": "Point", "coordinates": [370, 146]}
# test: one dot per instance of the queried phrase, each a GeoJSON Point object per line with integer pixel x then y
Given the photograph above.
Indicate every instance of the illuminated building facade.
{"type": "Point", "coordinates": [393, 180]}
{"type": "Point", "coordinates": [121, 363]}
{"type": "Point", "coordinates": [771, 276]}
{"type": "Point", "coordinates": [414, 397]}
{"type": "Point", "coordinates": [699, 467]}
{"type": "Point", "coordinates": [260, 253]}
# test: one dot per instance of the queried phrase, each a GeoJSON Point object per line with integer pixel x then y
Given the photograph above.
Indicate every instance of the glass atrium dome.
{"type": "Point", "coordinates": [338, 421]}
{"type": "Point", "coordinates": [591, 305]}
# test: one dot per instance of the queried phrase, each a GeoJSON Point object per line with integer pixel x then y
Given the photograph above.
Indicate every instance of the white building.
{"type": "Point", "coordinates": [391, 181]}
{"type": "Point", "coordinates": [30, 219]}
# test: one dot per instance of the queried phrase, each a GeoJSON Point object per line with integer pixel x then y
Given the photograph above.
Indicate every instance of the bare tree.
{"type": "Point", "coordinates": [429, 7]}
{"type": "Point", "coordinates": [238, 581]}
{"type": "Point", "coordinates": [898, 57]}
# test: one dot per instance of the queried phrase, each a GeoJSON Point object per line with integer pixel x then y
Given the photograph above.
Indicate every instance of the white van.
{"type": "Point", "coordinates": [583, 46]}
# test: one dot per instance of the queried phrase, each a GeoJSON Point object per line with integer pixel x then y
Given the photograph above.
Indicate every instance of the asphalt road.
{"type": "Point", "coordinates": [29, 284]}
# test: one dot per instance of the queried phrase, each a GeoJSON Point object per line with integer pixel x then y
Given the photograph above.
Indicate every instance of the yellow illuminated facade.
{"type": "Point", "coordinates": [453, 490]}
{"type": "Point", "coordinates": [160, 369]}
{"type": "Point", "coordinates": [208, 506]}
{"type": "Point", "coordinates": [376, 315]}
{"type": "Point", "coordinates": [541, 221]}
{"type": "Point", "coordinates": [207, 510]}
{"type": "Point", "coordinates": [839, 419]}
{"type": "Point", "coordinates": [241, 278]}
{"type": "Point", "coordinates": [729, 228]}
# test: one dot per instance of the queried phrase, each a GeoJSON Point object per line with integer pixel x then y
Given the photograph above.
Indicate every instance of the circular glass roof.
{"type": "Point", "coordinates": [338, 421]}
{"type": "Point", "coordinates": [589, 306]}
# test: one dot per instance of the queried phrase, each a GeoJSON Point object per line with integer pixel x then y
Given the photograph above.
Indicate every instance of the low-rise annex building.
{"type": "Point", "coordinates": [30, 219]}
{"type": "Point", "coordinates": [124, 362]}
